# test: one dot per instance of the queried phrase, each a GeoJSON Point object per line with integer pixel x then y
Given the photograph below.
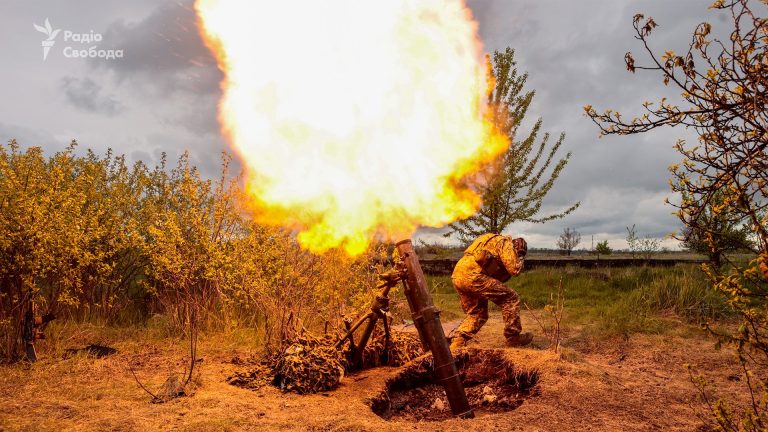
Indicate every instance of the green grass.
{"type": "Point", "coordinates": [607, 302]}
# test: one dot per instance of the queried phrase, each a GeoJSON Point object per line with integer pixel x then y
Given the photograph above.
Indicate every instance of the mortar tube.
{"type": "Point", "coordinates": [426, 318]}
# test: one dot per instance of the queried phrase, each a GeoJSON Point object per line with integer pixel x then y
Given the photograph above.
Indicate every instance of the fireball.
{"type": "Point", "coordinates": [354, 119]}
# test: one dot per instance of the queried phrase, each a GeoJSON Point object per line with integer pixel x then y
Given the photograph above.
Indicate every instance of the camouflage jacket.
{"type": "Point", "coordinates": [498, 245]}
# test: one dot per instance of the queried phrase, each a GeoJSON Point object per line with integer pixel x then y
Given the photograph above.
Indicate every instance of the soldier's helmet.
{"type": "Point", "coordinates": [521, 247]}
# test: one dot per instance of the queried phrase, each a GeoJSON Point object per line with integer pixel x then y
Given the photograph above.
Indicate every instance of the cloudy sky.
{"type": "Point", "coordinates": [161, 95]}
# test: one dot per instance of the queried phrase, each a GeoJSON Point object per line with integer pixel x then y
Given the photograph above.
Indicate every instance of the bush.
{"type": "Point", "coordinates": [90, 238]}
{"type": "Point", "coordinates": [602, 248]}
{"type": "Point", "coordinates": [685, 291]}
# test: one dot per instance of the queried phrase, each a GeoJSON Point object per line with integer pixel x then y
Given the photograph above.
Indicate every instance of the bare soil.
{"type": "Point", "coordinates": [637, 383]}
{"type": "Point", "coordinates": [492, 383]}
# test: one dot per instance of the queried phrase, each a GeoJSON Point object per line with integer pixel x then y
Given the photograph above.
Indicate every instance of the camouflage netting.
{"type": "Point", "coordinates": [310, 364]}
{"type": "Point", "coordinates": [403, 347]}
{"type": "Point", "coordinates": [307, 364]}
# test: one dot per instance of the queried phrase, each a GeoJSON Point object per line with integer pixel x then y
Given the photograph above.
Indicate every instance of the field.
{"type": "Point", "coordinates": [626, 336]}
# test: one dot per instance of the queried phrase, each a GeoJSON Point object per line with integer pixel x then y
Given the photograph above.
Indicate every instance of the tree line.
{"type": "Point", "coordinates": [93, 238]}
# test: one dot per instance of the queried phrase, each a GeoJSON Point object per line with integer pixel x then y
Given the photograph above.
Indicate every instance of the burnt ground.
{"type": "Point", "coordinates": [628, 384]}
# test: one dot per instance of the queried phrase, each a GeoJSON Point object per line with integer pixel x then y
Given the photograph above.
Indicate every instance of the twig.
{"type": "Point", "coordinates": [192, 344]}
{"type": "Point", "coordinates": [154, 396]}
{"type": "Point", "coordinates": [536, 318]}
{"type": "Point", "coordinates": [556, 314]}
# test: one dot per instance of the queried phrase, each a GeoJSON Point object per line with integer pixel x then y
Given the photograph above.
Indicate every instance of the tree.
{"type": "Point", "coordinates": [722, 86]}
{"type": "Point", "coordinates": [725, 99]}
{"type": "Point", "coordinates": [569, 239]}
{"type": "Point", "coordinates": [602, 248]}
{"type": "Point", "coordinates": [714, 235]}
{"type": "Point", "coordinates": [645, 247]}
{"type": "Point", "coordinates": [68, 228]}
{"type": "Point", "coordinates": [632, 240]}
{"type": "Point", "coordinates": [187, 243]}
{"type": "Point", "coordinates": [515, 184]}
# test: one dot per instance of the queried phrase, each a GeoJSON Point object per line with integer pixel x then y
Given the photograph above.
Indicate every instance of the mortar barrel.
{"type": "Point", "coordinates": [426, 318]}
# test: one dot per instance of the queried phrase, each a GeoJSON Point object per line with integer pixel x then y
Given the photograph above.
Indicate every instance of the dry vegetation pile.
{"type": "Point", "coordinates": [399, 350]}
{"type": "Point", "coordinates": [307, 365]}
{"type": "Point", "coordinates": [310, 364]}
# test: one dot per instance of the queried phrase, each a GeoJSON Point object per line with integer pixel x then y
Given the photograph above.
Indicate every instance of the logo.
{"type": "Point", "coordinates": [77, 45]}
{"type": "Point", "coordinates": [50, 41]}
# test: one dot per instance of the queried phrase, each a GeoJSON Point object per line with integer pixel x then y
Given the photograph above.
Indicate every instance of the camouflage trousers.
{"type": "Point", "coordinates": [474, 293]}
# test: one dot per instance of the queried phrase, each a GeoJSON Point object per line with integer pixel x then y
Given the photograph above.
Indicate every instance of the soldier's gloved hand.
{"type": "Point", "coordinates": [521, 247]}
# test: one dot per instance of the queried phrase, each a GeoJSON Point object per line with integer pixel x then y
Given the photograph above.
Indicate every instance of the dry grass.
{"type": "Point", "coordinates": [634, 384]}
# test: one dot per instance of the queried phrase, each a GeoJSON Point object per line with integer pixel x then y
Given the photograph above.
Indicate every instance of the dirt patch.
{"type": "Point", "coordinates": [492, 382]}
{"type": "Point", "coordinates": [98, 351]}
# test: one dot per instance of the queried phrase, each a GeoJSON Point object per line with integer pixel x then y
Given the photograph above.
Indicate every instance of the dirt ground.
{"type": "Point", "coordinates": [632, 384]}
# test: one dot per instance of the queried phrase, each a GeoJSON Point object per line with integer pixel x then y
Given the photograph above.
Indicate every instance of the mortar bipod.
{"type": "Point", "coordinates": [379, 310]}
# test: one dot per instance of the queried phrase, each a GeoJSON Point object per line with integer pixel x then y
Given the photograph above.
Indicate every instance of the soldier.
{"type": "Point", "coordinates": [479, 276]}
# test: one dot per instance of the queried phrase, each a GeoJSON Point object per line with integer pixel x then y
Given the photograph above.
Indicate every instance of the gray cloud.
{"type": "Point", "coordinates": [199, 116]}
{"type": "Point", "coordinates": [27, 137]}
{"type": "Point", "coordinates": [87, 95]}
{"type": "Point", "coordinates": [163, 52]}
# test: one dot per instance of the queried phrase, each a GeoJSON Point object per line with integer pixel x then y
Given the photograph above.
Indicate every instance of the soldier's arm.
{"type": "Point", "coordinates": [508, 256]}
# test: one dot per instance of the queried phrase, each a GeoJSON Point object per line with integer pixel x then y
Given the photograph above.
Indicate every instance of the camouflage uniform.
{"type": "Point", "coordinates": [476, 288]}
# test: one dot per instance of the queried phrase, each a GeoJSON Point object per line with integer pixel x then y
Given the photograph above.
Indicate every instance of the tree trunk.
{"type": "Point", "coordinates": [715, 258]}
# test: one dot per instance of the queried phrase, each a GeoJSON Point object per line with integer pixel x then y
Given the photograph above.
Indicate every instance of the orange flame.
{"type": "Point", "coordinates": [355, 119]}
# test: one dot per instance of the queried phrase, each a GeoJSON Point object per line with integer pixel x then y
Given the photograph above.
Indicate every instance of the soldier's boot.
{"type": "Point", "coordinates": [520, 340]}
